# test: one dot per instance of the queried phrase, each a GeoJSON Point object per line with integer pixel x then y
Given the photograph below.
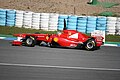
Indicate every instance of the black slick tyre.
{"type": "Point", "coordinates": [90, 45]}
{"type": "Point", "coordinates": [30, 42]}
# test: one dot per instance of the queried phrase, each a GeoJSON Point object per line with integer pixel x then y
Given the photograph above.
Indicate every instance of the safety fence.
{"type": "Point", "coordinates": [54, 21]}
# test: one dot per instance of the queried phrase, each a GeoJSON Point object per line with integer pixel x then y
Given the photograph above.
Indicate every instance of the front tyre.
{"type": "Point", "coordinates": [90, 45]}
{"type": "Point", "coordinates": [30, 42]}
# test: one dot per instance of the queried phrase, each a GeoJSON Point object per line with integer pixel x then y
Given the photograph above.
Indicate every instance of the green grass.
{"type": "Point", "coordinates": [106, 13]}
{"type": "Point", "coordinates": [107, 4]}
{"type": "Point", "coordinates": [14, 30]}
{"type": "Point", "coordinates": [113, 38]}
{"type": "Point", "coordinates": [104, 4]}
{"type": "Point", "coordinates": [8, 31]}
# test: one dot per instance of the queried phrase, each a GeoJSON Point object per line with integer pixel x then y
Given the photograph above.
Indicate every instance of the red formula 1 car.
{"type": "Point", "coordinates": [67, 38]}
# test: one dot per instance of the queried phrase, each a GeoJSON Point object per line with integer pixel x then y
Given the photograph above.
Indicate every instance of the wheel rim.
{"type": "Point", "coordinates": [90, 45]}
{"type": "Point", "coordinates": [29, 41]}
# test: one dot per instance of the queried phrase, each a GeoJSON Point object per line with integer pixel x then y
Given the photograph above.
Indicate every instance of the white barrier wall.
{"type": "Point", "coordinates": [35, 21]}
{"type": "Point", "coordinates": [44, 22]}
{"type": "Point", "coordinates": [118, 26]}
{"type": "Point", "coordinates": [111, 25]}
{"type": "Point", "coordinates": [27, 19]}
{"type": "Point", "coordinates": [19, 18]}
{"type": "Point", "coordinates": [54, 21]}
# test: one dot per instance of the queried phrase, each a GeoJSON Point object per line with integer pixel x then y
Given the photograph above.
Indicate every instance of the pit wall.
{"type": "Point", "coordinates": [54, 21]}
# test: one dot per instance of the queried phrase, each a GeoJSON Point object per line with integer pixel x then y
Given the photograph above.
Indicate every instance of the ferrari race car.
{"type": "Point", "coordinates": [67, 38]}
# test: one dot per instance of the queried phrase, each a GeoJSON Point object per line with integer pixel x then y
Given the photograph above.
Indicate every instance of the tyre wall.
{"type": "Point", "coordinates": [54, 21]}
{"type": "Point", "coordinates": [3, 17]}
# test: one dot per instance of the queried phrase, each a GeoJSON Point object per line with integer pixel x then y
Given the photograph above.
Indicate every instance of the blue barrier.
{"type": "Point", "coordinates": [81, 28]}
{"type": "Point", "coordinates": [72, 23]}
{"type": "Point", "coordinates": [61, 21]}
{"type": "Point", "coordinates": [3, 11]}
{"type": "Point", "coordinates": [91, 26]}
{"type": "Point", "coordinates": [101, 23]}
{"type": "Point", "coordinates": [82, 18]}
{"type": "Point", "coordinates": [91, 22]}
{"type": "Point", "coordinates": [71, 27]}
{"type": "Point", "coordinates": [63, 16]}
{"type": "Point", "coordinates": [81, 24]}
{"type": "Point", "coordinates": [89, 31]}
{"type": "Point", "coordinates": [72, 20]}
{"type": "Point", "coordinates": [11, 11]}
{"type": "Point", "coordinates": [101, 28]}
{"type": "Point", "coordinates": [83, 31]}
{"type": "Point", "coordinates": [101, 18]}
{"type": "Point", "coordinates": [10, 18]}
{"type": "Point", "coordinates": [92, 18]}
{"type": "Point", "coordinates": [2, 17]}
{"type": "Point", "coordinates": [72, 17]}
{"type": "Point", "coordinates": [2, 23]}
{"type": "Point", "coordinates": [60, 27]}
{"type": "Point", "coordinates": [81, 21]}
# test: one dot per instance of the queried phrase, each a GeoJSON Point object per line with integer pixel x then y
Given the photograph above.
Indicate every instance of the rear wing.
{"type": "Point", "coordinates": [98, 33]}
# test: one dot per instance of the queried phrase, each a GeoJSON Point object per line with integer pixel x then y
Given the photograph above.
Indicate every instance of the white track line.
{"type": "Point", "coordinates": [62, 67]}
{"type": "Point", "coordinates": [2, 37]}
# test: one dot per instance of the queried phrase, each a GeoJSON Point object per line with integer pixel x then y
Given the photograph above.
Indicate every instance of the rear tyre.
{"type": "Point", "coordinates": [90, 45]}
{"type": "Point", "coordinates": [53, 44]}
{"type": "Point", "coordinates": [30, 42]}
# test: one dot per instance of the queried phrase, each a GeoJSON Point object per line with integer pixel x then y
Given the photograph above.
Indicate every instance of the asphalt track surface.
{"type": "Point", "coordinates": [44, 63]}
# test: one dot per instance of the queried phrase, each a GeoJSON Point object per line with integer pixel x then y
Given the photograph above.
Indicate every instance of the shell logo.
{"type": "Point", "coordinates": [56, 39]}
